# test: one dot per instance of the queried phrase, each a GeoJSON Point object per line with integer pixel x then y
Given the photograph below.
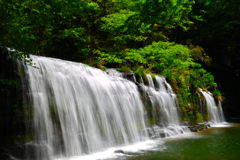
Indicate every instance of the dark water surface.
{"type": "Point", "coordinates": [216, 143]}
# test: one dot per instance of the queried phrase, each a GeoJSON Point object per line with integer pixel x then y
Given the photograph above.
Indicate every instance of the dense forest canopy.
{"type": "Point", "coordinates": [184, 40]}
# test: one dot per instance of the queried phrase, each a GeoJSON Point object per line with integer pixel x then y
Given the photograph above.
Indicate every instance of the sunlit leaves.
{"type": "Point", "coordinates": [108, 57]}
{"type": "Point", "coordinates": [113, 21]}
{"type": "Point", "coordinates": [167, 13]}
{"type": "Point", "coordinates": [72, 32]}
{"type": "Point", "coordinates": [161, 56]}
{"type": "Point", "coordinates": [199, 77]}
{"type": "Point", "coordinates": [32, 26]}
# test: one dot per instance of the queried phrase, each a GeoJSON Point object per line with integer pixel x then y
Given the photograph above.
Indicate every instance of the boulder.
{"type": "Point", "coordinates": [119, 151]}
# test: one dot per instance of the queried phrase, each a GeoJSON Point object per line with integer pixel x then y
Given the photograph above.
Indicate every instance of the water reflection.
{"type": "Point", "coordinates": [222, 143]}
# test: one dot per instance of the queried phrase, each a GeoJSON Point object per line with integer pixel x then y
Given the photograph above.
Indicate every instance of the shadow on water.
{"type": "Point", "coordinates": [216, 143]}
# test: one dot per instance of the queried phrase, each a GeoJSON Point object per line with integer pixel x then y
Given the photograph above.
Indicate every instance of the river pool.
{"type": "Point", "coordinates": [217, 143]}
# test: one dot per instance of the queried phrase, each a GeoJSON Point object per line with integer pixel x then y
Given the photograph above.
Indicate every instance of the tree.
{"type": "Point", "coordinates": [41, 27]}
{"type": "Point", "coordinates": [217, 32]}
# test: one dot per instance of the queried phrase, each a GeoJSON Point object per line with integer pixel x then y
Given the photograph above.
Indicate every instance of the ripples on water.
{"type": "Point", "coordinates": [217, 143]}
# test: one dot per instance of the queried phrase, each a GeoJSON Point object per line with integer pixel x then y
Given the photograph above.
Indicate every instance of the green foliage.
{"type": "Point", "coordinates": [187, 116]}
{"type": "Point", "coordinates": [200, 78]}
{"type": "Point", "coordinates": [183, 95]}
{"type": "Point", "coordinates": [113, 21]}
{"type": "Point", "coordinates": [36, 27]}
{"type": "Point", "coordinates": [108, 57]}
{"type": "Point", "coordinates": [161, 57]}
{"type": "Point", "coordinates": [141, 72]}
{"type": "Point", "coordinates": [20, 139]}
{"type": "Point", "coordinates": [216, 92]}
{"type": "Point", "coordinates": [165, 13]}
{"type": "Point", "coordinates": [198, 54]}
{"type": "Point", "coordinates": [192, 116]}
{"type": "Point", "coordinates": [99, 64]}
{"type": "Point", "coordinates": [8, 82]}
{"type": "Point", "coordinates": [22, 107]}
{"type": "Point", "coordinates": [151, 121]}
{"type": "Point", "coordinates": [217, 95]}
{"type": "Point", "coordinates": [124, 69]}
{"type": "Point", "coordinates": [103, 68]}
{"type": "Point", "coordinates": [199, 117]}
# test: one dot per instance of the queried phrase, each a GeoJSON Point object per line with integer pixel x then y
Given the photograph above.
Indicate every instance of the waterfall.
{"type": "Point", "coordinates": [141, 81]}
{"type": "Point", "coordinates": [166, 100]}
{"type": "Point", "coordinates": [163, 85]}
{"type": "Point", "coordinates": [113, 72]}
{"type": "Point", "coordinates": [215, 113]}
{"type": "Point", "coordinates": [221, 115]}
{"type": "Point", "coordinates": [81, 110]}
{"type": "Point", "coordinates": [150, 81]}
{"type": "Point", "coordinates": [163, 101]}
{"type": "Point", "coordinates": [129, 76]}
{"type": "Point", "coordinates": [164, 106]}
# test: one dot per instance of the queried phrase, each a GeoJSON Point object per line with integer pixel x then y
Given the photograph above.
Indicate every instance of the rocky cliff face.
{"type": "Point", "coordinates": [12, 119]}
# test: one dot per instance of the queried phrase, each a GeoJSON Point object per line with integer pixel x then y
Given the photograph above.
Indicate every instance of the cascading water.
{"type": "Point", "coordinates": [164, 108]}
{"type": "Point", "coordinates": [163, 105]}
{"type": "Point", "coordinates": [129, 76]}
{"type": "Point", "coordinates": [167, 101]}
{"type": "Point", "coordinates": [221, 115]}
{"type": "Point", "coordinates": [150, 81]}
{"type": "Point", "coordinates": [81, 110]}
{"type": "Point", "coordinates": [215, 113]}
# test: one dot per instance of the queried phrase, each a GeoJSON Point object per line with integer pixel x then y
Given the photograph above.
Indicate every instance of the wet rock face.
{"type": "Point", "coordinates": [185, 123]}
{"type": "Point", "coordinates": [13, 134]}
{"type": "Point", "coordinates": [130, 76]}
{"type": "Point", "coordinates": [11, 117]}
{"type": "Point", "coordinates": [199, 127]}
{"type": "Point", "coordinates": [119, 151]}
{"type": "Point", "coordinates": [159, 130]}
{"type": "Point", "coordinates": [162, 131]}
{"type": "Point", "coordinates": [202, 126]}
{"type": "Point", "coordinates": [193, 129]}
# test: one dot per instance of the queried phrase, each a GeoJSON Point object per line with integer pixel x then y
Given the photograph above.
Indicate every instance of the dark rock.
{"type": "Point", "coordinates": [202, 126]}
{"type": "Point", "coordinates": [153, 137]}
{"type": "Point", "coordinates": [185, 123]}
{"type": "Point", "coordinates": [163, 135]}
{"type": "Point", "coordinates": [119, 151]}
{"type": "Point", "coordinates": [181, 131]}
{"type": "Point", "coordinates": [161, 124]}
{"type": "Point", "coordinates": [208, 125]}
{"type": "Point", "coordinates": [150, 134]}
{"type": "Point", "coordinates": [193, 129]}
{"type": "Point", "coordinates": [6, 157]}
